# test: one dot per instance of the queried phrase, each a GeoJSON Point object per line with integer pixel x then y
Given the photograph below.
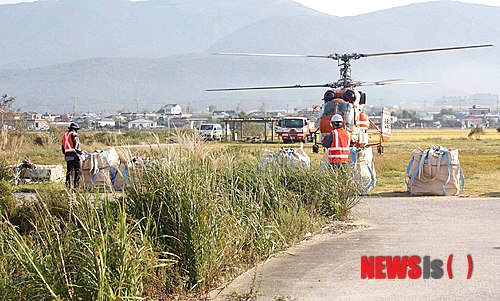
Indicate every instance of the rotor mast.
{"type": "Point", "coordinates": [344, 64]}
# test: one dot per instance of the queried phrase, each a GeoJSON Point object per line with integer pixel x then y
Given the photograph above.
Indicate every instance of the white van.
{"type": "Point", "coordinates": [211, 131]}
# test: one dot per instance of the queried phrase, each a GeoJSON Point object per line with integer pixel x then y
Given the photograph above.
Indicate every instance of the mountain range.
{"type": "Point", "coordinates": [106, 55]}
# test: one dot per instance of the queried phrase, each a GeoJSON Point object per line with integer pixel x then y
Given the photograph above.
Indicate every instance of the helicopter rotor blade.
{"type": "Point", "coordinates": [344, 57]}
{"type": "Point", "coordinates": [423, 50]}
{"type": "Point", "coordinates": [414, 83]}
{"type": "Point", "coordinates": [331, 85]}
{"type": "Point", "coordinates": [271, 54]}
{"type": "Point", "coordinates": [389, 82]}
{"type": "Point", "coordinates": [377, 83]}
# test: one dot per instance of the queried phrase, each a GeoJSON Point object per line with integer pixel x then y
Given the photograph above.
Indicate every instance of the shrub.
{"type": "Point", "coordinates": [5, 171]}
{"type": "Point", "coordinates": [13, 141]}
{"type": "Point", "coordinates": [476, 132]}
{"type": "Point", "coordinates": [7, 201]}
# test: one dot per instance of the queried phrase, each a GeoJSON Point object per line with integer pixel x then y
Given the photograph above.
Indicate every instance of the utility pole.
{"type": "Point", "coordinates": [74, 105]}
{"type": "Point", "coordinates": [137, 101]}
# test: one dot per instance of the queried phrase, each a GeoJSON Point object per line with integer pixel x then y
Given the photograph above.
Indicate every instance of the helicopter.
{"type": "Point", "coordinates": [343, 97]}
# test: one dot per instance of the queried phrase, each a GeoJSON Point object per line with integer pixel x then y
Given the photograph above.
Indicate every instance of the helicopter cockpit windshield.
{"type": "Point", "coordinates": [339, 107]}
{"type": "Point", "coordinates": [343, 108]}
{"type": "Point", "coordinates": [331, 108]}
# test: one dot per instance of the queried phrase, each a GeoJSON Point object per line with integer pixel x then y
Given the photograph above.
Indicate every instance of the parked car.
{"type": "Point", "coordinates": [211, 131]}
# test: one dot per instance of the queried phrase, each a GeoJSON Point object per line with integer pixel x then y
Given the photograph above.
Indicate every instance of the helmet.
{"type": "Point", "coordinates": [73, 126]}
{"type": "Point", "coordinates": [349, 96]}
{"type": "Point", "coordinates": [337, 118]}
{"type": "Point", "coordinates": [336, 121]}
{"type": "Point", "coordinates": [329, 95]}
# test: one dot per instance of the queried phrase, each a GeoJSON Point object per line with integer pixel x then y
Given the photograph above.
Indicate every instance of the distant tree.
{"type": "Point", "coordinates": [409, 114]}
{"type": "Point", "coordinates": [446, 111]}
{"type": "Point", "coordinates": [6, 103]}
{"type": "Point", "coordinates": [476, 132]}
{"type": "Point", "coordinates": [240, 108]}
{"type": "Point", "coordinates": [263, 107]}
{"type": "Point", "coordinates": [253, 129]}
{"type": "Point", "coordinates": [212, 108]}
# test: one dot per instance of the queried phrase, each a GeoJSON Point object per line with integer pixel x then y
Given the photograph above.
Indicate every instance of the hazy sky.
{"type": "Point", "coordinates": [346, 7]}
{"type": "Point", "coordinates": [356, 7]}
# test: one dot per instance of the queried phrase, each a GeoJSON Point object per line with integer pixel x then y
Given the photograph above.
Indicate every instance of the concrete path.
{"type": "Point", "coordinates": [328, 267]}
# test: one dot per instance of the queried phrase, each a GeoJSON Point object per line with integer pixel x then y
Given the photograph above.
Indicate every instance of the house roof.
{"type": "Point", "coordinates": [141, 121]}
{"type": "Point", "coordinates": [224, 111]}
{"type": "Point", "coordinates": [169, 106]}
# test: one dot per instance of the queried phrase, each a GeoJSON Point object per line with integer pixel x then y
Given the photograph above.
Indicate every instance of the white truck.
{"type": "Point", "coordinates": [211, 131]}
{"type": "Point", "coordinates": [292, 129]}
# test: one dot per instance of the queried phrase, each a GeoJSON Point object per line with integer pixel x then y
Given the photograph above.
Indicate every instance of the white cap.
{"type": "Point", "coordinates": [336, 118]}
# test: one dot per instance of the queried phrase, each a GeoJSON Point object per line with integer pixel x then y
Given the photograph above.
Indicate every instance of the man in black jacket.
{"type": "Point", "coordinates": [71, 149]}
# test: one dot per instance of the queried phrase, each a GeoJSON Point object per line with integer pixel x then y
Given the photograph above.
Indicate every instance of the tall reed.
{"type": "Point", "coordinates": [194, 217]}
{"type": "Point", "coordinates": [221, 210]}
{"type": "Point", "coordinates": [98, 254]}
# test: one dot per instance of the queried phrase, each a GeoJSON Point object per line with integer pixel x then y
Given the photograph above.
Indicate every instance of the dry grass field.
{"type": "Point", "coordinates": [479, 158]}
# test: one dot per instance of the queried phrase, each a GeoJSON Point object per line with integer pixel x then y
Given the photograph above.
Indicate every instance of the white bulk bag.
{"type": "Point", "coordinates": [435, 171]}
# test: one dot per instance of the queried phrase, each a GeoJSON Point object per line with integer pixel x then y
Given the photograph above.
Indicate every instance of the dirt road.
{"type": "Point", "coordinates": [329, 267]}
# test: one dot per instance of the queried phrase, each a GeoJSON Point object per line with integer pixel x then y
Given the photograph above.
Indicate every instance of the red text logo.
{"type": "Point", "coordinates": [408, 267]}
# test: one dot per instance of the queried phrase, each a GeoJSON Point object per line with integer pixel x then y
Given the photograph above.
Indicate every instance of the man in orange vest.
{"type": "Point", "coordinates": [71, 150]}
{"type": "Point", "coordinates": [338, 143]}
